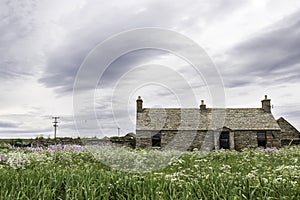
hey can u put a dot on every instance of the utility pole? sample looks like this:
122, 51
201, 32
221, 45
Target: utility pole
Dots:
118, 131
55, 125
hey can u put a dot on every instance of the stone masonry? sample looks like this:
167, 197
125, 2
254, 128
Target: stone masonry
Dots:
210, 128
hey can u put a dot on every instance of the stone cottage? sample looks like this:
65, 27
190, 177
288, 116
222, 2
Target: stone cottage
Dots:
211, 128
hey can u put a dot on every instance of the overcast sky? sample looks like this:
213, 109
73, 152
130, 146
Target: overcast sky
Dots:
254, 45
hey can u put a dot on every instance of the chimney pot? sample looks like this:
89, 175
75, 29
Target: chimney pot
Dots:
139, 104
202, 106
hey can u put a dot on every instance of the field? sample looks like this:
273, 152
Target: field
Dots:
75, 172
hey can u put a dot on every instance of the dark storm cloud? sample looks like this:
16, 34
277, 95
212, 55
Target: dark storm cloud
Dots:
271, 57
126, 62
101, 23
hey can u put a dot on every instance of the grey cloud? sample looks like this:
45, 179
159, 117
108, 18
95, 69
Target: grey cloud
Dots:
127, 62
236, 82
292, 114
18, 55
31, 133
9, 124
16, 131
266, 55
22, 39
291, 110
64, 61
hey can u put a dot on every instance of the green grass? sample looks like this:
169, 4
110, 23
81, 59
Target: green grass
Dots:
67, 174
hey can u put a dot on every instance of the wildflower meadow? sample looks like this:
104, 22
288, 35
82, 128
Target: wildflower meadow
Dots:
79, 172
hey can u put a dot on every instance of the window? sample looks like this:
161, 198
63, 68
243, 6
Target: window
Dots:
156, 140
261, 139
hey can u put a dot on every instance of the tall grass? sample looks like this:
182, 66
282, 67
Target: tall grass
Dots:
78, 174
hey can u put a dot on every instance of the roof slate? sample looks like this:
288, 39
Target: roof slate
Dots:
211, 119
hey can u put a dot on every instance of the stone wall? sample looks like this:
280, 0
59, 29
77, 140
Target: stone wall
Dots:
248, 139
167, 137
44, 142
205, 140
245, 139
183, 140
179, 140
143, 139
273, 139
289, 134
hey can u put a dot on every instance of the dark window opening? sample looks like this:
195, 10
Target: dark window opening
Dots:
261, 139
224, 140
156, 140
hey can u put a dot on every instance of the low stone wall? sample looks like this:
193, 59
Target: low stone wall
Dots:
45, 142
48, 142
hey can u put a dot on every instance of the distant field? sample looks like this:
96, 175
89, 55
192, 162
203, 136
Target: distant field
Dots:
75, 172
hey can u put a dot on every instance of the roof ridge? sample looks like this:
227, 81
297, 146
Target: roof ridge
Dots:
206, 108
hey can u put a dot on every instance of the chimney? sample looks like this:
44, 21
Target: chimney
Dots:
266, 104
139, 104
202, 106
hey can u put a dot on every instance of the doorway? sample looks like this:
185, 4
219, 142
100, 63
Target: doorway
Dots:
156, 139
224, 140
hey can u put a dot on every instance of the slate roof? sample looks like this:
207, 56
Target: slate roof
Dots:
286, 126
211, 119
